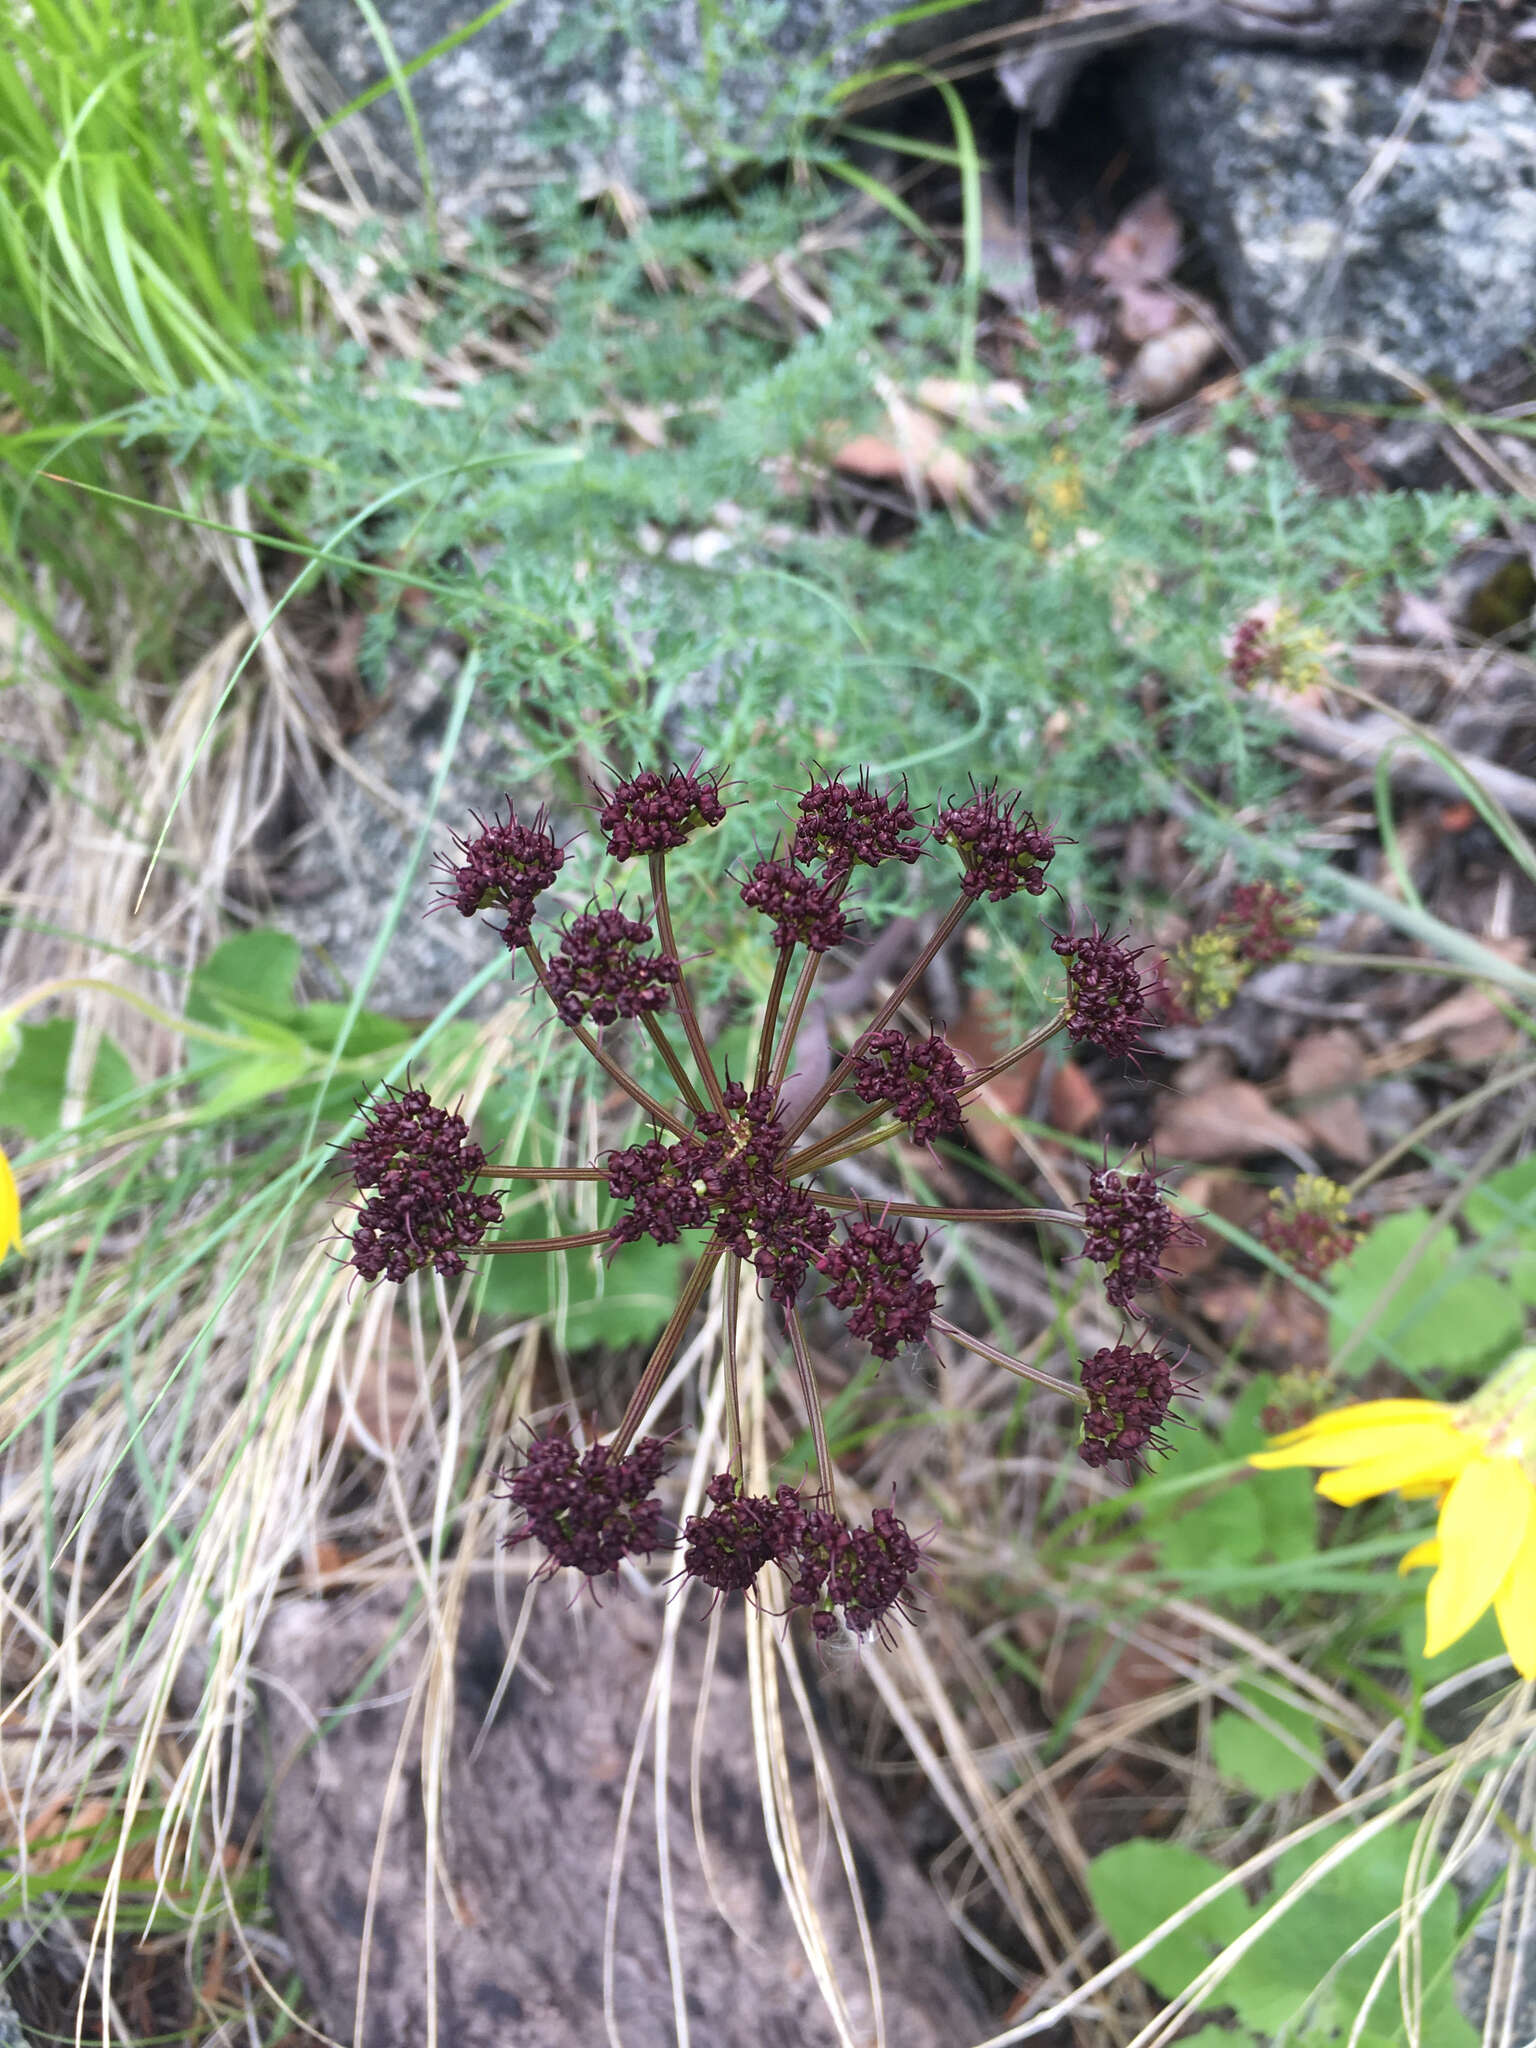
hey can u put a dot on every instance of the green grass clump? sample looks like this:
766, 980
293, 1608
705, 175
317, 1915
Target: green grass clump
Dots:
139, 208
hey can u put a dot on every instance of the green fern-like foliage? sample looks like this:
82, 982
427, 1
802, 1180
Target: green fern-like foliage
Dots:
1073, 645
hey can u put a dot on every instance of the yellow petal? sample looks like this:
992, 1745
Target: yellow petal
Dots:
10, 1208
1482, 1528
1427, 1552
1432, 1459
1436, 1437
1515, 1605
1363, 1415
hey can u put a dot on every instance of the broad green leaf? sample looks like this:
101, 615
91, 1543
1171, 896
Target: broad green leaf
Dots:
1137, 1885
32, 1086
1433, 1322
1503, 1200
1259, 1759
256, 969
247, 1080
624, 1302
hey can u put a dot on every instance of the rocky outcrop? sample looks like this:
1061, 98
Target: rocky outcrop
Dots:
1339, 204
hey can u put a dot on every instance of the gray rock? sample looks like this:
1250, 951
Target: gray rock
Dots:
1490, 1973
1037, 74
335, 890
534, 1780
1322, 225
554, 89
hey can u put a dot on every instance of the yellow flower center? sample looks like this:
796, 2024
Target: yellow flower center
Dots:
1502, 1414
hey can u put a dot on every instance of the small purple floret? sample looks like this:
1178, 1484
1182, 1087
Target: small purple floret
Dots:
651, 813
589, 1509
915, 1078
806, 911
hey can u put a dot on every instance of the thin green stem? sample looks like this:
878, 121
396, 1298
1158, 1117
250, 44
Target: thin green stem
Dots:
1498, 1086
816, 1156
813, 1409
546, 1244
771, 1017
737, 1459
977, 1081
541, 1173
692, 1029
837, 1144
947, 926
796, 1017
609, 1065
1069, 1218
667, 1345
674, 1065
1014, 1365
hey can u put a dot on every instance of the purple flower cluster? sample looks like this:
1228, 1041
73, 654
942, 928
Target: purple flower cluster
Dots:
726, 1173
806, 911
1107, 1000
421, 1164
589, 1509
917, 1079
830, 1565
666, 1186
651, 813
1248, 651
845, 828
506, 866
728, 1546
865, 1572
1128, 1227
879, 1278
599, 974
1129, 1394
1001, 853
1268, 921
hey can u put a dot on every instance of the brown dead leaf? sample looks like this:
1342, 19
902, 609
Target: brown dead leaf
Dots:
1219, 1192
1469, 1025
914, 454
1143, 246
1168, 366
1323, 1067
1137, 1674
1073, 1104
1231, 1120
1277, 1325
980, 1036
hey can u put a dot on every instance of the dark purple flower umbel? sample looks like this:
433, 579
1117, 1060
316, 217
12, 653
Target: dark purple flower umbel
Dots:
600, 974
879, 1277
727, 1547
1129, 1226
866, 1572
777, 1226
588, 1509
915, 1078
421, 1164
1129, 1394
845, 827
806, 911
651, 813
506, 866
871, 1572
1107, 1000
1001, 852
668, 1188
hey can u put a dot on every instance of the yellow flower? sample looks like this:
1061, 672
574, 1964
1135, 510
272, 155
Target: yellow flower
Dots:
10, 1207
1478, 1459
